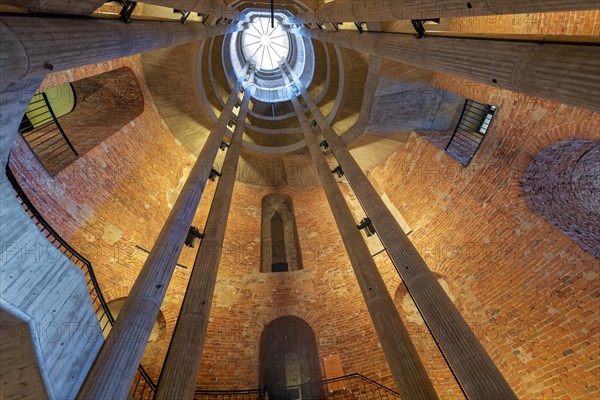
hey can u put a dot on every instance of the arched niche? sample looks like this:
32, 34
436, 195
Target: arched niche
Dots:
562, 186
115, 306
289, 360
280, 244
65, 122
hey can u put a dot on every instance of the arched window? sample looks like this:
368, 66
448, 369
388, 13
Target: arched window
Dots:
65, 122
561, 186
280, 246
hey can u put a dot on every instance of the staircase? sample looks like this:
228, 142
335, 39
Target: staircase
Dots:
143, 387
474, 123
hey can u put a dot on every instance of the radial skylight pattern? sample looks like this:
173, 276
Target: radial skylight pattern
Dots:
264, 44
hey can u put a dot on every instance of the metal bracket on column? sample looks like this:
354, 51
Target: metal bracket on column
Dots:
127, 10
185, 14
367, 226
213, 174
219, 20
320, 26
193, 235
338, 171
204, 18
359, 27
307, 26
231, 122
324, 146
313, 123
336, 25
419, 25
224, 145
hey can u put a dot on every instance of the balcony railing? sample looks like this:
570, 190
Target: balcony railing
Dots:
474, 123
45, 136
354, 386
143, 387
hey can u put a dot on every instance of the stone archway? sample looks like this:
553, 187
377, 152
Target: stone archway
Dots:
289, 360
562, 186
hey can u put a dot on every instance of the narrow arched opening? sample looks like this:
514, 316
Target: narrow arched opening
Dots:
289, 361
279, 260
280, 245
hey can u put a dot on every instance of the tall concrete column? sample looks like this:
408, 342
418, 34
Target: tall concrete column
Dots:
476, 372
216, 8
180, 370
389, 10
114, 369
75, 7
33, 46
538, 66
407, 369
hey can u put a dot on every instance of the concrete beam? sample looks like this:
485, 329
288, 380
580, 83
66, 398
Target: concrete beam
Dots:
180, 370
474, 369
216, 8
116, 365
567, 73
33, 46
75, 7
391, 10
405, 364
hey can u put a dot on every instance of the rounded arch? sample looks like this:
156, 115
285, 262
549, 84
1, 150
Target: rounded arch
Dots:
280, 246
289, 359
561, 186
63, 123
158, 330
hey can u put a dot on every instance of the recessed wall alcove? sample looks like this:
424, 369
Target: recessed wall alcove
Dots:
280, 245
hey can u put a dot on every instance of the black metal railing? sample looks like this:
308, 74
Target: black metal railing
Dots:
143, 386
257, 394
474, 123
45, 136
354, 386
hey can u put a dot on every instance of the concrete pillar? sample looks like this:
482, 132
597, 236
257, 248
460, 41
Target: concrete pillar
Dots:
216, 8
562, 72
476, 372
389, 10
33, 46
410, 376
180, 370
114, 369
75, 7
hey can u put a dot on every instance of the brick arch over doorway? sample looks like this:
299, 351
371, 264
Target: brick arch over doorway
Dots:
561, 186
289, 358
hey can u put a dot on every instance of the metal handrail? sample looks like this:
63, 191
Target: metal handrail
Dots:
469, 132
62, 132
47, 136
262, 393
78, 260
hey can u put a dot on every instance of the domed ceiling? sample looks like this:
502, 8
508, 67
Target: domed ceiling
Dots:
191, 83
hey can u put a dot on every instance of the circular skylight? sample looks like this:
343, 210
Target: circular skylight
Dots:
264, 44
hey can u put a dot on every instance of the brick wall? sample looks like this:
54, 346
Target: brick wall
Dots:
117, 196
529, 292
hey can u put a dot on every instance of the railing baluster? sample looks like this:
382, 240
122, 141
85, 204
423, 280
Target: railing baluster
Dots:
92, 283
